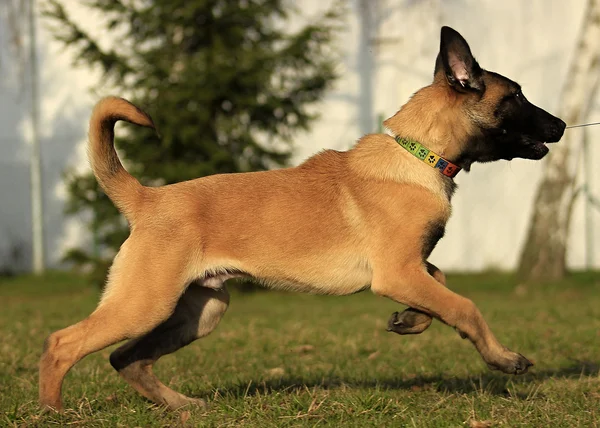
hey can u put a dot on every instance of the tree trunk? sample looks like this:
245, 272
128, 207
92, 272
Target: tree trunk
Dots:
544, 254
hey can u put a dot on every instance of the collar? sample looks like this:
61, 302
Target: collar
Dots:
428, 157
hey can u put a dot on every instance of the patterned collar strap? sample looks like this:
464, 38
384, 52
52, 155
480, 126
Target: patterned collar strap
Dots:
428, 157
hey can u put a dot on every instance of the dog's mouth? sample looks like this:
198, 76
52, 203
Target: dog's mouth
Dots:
534, 145
540, 146
530, 148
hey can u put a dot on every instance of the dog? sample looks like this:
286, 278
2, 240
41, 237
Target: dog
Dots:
339, 223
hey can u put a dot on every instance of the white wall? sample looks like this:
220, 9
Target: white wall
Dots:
531, 42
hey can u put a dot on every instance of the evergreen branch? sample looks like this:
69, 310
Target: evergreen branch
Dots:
86, 48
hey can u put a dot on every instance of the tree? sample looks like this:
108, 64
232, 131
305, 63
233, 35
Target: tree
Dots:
544, 253
226, 83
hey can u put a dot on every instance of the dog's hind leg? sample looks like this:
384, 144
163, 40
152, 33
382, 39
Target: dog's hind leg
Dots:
197, 313
142, 291
414, 321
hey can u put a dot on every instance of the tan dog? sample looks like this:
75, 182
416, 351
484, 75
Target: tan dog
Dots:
339, 223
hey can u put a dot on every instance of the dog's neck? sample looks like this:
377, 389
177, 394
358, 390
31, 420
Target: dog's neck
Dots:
429, 157
380, 157
431, 118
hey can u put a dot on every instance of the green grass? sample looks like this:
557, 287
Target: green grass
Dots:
298, 360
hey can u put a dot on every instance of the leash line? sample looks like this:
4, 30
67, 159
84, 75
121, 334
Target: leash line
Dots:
584, 124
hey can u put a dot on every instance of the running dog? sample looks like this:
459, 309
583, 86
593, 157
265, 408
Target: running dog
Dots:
339, 223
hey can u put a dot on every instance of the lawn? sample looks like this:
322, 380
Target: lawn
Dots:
282, 359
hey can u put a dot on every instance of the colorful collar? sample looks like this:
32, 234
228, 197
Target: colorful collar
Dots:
430, 158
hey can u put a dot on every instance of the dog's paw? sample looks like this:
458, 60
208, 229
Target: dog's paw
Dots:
410, 321
46, 409
513, 364
180, 401
199, 403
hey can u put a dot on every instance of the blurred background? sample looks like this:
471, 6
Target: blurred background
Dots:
256, 84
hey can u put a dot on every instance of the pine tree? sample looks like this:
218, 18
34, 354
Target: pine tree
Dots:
227, 84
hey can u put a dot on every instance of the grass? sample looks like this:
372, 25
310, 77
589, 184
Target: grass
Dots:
298, 360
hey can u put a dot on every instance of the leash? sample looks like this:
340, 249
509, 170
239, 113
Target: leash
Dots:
584, 124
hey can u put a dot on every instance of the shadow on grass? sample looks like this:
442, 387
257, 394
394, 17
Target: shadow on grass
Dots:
492, 383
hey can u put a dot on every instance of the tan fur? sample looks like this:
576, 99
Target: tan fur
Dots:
337, 224
435, 114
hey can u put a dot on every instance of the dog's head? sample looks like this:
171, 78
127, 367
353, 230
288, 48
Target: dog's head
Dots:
469, 114
506, 124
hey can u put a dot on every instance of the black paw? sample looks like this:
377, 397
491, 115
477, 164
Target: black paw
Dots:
410, 321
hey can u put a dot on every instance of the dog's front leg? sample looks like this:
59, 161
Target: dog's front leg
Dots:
411, 320
415, 287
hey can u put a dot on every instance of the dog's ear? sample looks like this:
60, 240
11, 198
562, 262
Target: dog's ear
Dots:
457, 63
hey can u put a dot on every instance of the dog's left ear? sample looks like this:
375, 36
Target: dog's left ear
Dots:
457, 63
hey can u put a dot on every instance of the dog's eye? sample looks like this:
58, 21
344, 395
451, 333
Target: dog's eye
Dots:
515, 96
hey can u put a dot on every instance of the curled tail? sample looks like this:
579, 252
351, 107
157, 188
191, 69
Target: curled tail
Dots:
120, 186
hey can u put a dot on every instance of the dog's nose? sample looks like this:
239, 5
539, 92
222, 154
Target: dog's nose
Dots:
557, 130
562, 126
